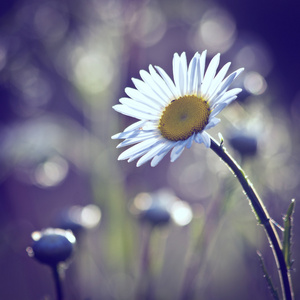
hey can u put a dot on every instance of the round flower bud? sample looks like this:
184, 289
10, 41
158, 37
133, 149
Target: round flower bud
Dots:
156, 215
244, 143
52, 246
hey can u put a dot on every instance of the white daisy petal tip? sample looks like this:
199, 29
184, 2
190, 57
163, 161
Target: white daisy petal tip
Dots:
115, 136
217, 56
173, 113
114, 107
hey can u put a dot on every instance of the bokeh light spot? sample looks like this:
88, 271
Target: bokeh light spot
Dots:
141, 202
181, 213
51, 172
93, 72
3, 57
254, 57
254, 83
90, 216
216, 31
148, 26
51, 23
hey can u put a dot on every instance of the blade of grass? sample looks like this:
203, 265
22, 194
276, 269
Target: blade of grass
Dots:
268, 278
287, 236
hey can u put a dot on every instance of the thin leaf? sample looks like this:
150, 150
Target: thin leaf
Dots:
221, 138
287, 236
268, 278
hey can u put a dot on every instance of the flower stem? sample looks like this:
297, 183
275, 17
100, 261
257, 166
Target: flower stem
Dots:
144, 288
263, 217
57, 281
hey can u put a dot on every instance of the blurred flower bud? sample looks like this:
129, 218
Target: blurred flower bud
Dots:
154, 208
244, 143
160, 207
52, 246
157, 215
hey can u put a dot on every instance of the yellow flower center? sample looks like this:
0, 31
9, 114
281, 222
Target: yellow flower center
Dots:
183, 117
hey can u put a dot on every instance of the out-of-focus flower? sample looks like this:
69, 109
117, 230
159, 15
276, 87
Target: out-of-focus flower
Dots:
52, 246
153, 208
156, 215
159, 208
173, 115
244, 143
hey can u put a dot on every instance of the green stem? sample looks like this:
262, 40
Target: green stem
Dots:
144, 288
57, 281
263, 217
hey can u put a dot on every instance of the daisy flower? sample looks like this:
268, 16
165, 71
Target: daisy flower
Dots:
173, 115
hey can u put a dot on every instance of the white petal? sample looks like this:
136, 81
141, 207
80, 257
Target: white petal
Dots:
168, 81
221, 95
162, 154
135, 125
164, 99
177, 150
201, 71
129, 131
212, 123
147, 97
138, 148
117, 136
137, 139
128, 111
210, 74
183, 74
161, 84
176, 72
196, 81
226, 96
125, 135
206, 139
229, 100
217, 80
151, 153
192, 78
149, 126
190, 141
139, 106
227, 82
232, 92
138, 154
218, 109
198, 138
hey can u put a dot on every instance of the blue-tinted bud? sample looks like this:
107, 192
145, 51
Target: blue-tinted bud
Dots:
156, 215
244, 143
52, 246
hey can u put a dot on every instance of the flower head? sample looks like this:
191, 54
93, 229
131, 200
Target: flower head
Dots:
52, 246
174, 114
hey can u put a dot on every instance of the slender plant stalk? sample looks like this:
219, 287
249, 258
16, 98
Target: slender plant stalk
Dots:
271, 287
144, 286
57, 281
263, 217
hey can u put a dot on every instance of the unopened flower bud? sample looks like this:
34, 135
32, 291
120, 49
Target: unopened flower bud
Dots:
156, 215
52, 246
244, 143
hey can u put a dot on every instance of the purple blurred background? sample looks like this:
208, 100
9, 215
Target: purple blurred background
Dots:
63, 64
